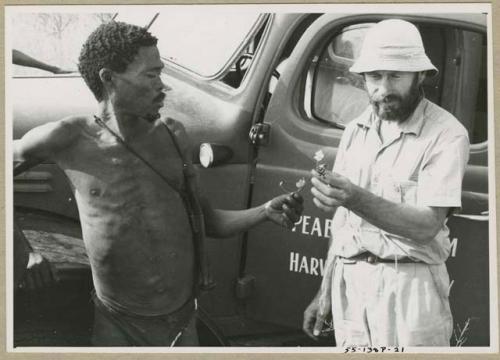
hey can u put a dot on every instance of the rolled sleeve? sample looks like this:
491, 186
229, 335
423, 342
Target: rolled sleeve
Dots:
440, 180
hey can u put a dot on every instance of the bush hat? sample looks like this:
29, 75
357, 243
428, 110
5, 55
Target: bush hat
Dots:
393, 45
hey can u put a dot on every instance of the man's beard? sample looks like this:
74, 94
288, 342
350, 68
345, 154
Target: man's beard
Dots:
397, 108
152, 117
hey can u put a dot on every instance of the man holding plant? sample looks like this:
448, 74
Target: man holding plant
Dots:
397, 177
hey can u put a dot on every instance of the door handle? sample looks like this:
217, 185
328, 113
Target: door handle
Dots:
259, 134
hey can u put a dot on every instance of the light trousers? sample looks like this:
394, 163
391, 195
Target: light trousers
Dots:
386, 304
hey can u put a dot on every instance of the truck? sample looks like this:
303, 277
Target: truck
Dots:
278, 91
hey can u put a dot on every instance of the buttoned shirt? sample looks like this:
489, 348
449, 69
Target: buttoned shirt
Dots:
421, 162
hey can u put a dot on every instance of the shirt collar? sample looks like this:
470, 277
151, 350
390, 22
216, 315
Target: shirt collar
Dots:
412, 125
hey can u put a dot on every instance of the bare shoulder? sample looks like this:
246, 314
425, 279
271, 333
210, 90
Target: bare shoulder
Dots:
75, 124
65, 129
179, 131
48, 140
181, 137
177, 128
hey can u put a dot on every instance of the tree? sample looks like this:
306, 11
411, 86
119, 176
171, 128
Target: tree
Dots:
104, 17
56, 23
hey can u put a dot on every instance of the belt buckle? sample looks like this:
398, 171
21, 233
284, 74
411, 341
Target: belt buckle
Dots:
372, 259
348, 261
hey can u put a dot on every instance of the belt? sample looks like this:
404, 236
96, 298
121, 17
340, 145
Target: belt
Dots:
374, 259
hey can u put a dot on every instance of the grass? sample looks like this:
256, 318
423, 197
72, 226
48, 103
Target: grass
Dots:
460, 333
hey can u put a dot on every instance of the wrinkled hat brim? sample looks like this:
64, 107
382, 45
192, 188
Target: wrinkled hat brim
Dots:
368, 64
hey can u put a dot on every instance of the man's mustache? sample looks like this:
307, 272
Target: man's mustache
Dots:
160, 97
386, 99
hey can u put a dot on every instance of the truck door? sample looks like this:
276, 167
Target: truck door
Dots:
314, 98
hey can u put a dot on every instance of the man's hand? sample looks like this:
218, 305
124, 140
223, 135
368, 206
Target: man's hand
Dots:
314, 320
332, 190
285, 210
39, 273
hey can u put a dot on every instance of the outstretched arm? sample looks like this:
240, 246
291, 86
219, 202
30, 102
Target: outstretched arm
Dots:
283, 210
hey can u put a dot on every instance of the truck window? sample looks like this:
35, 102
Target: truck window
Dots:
206, 47
221, 45
334, 96
338, 95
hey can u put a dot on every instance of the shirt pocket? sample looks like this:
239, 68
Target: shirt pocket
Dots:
400, 191
408, 192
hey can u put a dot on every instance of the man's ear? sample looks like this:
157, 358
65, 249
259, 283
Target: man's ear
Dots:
106, 75
421, 77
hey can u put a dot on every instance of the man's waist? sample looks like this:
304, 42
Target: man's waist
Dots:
142, 295
188, 306
371, 258
349, 242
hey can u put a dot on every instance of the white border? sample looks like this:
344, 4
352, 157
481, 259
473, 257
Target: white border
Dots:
277, 8
239, 350
492, 193
9, 191
422, 8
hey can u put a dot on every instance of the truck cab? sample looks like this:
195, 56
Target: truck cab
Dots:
258, 96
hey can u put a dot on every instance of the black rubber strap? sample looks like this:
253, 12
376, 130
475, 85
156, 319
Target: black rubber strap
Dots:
176, 144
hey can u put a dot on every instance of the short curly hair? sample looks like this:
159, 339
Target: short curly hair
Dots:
113, 45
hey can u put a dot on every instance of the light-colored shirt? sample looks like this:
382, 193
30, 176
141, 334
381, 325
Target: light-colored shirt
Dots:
420, 162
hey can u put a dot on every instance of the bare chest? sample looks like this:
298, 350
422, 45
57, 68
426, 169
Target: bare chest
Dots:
106, 174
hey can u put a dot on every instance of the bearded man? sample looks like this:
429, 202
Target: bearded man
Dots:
397, 177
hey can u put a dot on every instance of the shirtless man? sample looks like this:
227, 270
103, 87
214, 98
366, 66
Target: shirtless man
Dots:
135, 226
